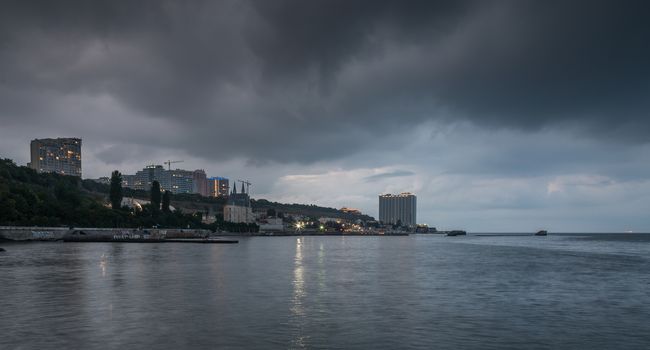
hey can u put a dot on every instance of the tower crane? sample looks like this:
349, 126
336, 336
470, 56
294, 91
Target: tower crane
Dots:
170, 162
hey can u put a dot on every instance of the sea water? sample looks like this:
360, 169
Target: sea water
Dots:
589, 291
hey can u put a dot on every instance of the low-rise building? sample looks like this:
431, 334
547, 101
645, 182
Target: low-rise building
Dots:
271, 225
324, 220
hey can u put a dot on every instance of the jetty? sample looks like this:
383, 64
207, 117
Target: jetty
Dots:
148, 240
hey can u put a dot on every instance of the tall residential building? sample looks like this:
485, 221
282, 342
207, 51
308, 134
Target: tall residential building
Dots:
62, 156
218, 187
200, 182
178, 181
394, 208
145, 177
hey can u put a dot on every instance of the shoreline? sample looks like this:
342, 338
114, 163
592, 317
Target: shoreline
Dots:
94, 234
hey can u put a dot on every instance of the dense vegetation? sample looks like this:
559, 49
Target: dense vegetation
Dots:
306, 210
28, 198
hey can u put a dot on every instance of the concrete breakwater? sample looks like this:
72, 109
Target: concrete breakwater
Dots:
20, 233
145, 239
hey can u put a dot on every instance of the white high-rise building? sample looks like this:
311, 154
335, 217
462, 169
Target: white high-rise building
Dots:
398, 208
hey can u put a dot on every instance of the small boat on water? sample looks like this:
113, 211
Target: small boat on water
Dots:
457, 233
541, 233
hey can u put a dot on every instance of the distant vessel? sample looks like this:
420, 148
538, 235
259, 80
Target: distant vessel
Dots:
541, 233
456, 233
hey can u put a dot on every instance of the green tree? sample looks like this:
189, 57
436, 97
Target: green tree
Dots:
155, 196
116, 190
166, 200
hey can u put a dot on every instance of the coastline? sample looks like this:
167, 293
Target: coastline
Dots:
93, 234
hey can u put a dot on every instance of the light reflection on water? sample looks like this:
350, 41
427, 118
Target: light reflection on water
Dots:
422, 291
297, 309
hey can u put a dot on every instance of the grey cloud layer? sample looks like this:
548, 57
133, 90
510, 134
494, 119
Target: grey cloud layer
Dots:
387, 175
316, 80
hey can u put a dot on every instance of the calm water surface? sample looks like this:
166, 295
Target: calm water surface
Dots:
421, 291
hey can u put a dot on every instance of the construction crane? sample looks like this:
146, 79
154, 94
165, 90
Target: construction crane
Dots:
170, 162
248, 184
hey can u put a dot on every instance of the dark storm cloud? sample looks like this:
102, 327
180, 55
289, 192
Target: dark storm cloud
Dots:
312, 80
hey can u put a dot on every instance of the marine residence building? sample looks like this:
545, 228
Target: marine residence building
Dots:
398, 209
61, 156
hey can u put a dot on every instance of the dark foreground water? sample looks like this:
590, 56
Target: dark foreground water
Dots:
423, 291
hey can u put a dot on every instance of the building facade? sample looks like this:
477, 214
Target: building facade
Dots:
200, 182
398, 208
178, 181
145, 177
238, 208
61, 156
129, 181
218, 187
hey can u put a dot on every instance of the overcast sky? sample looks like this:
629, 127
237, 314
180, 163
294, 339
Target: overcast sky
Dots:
499, 115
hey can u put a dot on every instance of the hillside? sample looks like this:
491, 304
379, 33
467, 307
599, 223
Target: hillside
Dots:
193, 203
28, 198
309, 210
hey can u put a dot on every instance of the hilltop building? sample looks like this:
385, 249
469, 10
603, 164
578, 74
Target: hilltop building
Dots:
145, 177
351, 211
176, 181
200, 183
238, 208
128, 181
218, 187
398, 208
61, 156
